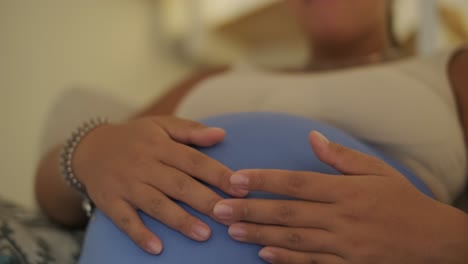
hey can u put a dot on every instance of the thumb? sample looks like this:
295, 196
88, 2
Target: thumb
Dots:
189, 132
345, 160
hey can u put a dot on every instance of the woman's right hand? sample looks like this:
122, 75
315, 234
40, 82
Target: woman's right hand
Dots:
144, 163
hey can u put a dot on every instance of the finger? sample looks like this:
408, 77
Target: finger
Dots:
160, 207
276, 212
303, 185
298, 239
189, 132
198, 165
182, 187
125, 217
285, 256
346, 160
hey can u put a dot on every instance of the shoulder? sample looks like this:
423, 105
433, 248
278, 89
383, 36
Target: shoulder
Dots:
458, 65
458, 75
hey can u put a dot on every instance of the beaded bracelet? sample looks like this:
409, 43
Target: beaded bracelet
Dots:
66, 158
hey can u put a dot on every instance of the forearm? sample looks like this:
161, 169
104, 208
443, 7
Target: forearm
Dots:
57, 200
455, 250
61, 203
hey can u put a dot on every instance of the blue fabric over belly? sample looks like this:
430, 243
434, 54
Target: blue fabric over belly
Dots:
254, 140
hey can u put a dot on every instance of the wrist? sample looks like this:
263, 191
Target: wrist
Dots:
84, 158
68, 154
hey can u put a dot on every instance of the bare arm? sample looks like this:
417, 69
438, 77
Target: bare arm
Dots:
60, 202
56, 199
457, 71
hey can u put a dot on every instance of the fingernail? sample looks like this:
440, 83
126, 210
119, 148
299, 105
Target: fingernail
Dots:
240, 180
322, 138
267, 255
237, 232
201, 231
223, 211
154, 247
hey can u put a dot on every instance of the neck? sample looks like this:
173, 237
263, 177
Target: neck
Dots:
348, 52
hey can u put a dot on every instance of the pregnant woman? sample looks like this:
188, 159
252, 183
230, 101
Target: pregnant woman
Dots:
308, 223
144, 173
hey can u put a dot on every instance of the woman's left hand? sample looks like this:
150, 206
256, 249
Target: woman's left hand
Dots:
371, 215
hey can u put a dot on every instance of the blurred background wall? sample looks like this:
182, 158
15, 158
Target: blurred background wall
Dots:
50, 46
133, 50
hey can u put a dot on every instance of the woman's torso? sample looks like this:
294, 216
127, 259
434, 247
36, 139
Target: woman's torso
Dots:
404, 108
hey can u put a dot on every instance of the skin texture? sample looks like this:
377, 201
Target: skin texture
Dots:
459, 79
346, 220
148, 162
354, 219
341, 30
55, 198
121, 171
359, 218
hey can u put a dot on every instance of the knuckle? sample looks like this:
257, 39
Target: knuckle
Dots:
125, 222
183, 185
294, 239
285, 214
259, 237
195, 125
257, 181
194, 161
156, 206
294, 184
339, 149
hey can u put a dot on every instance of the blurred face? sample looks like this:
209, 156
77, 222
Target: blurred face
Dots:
340, 20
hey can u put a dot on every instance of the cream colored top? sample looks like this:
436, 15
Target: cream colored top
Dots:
405, 108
